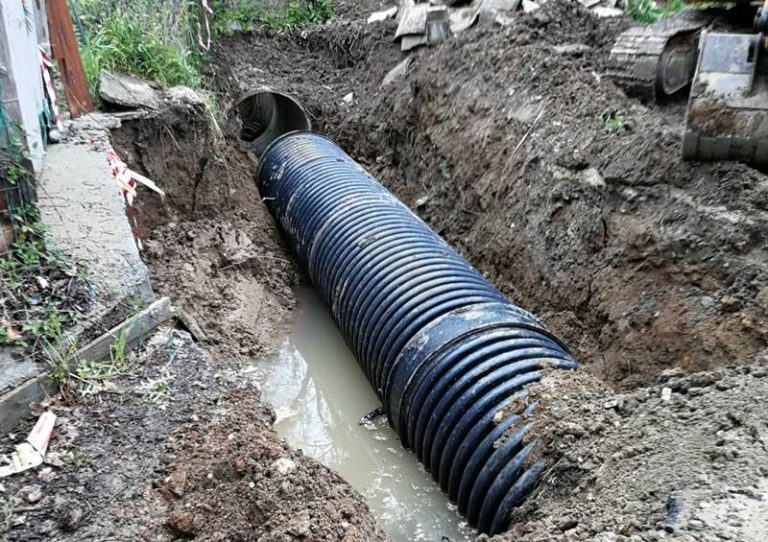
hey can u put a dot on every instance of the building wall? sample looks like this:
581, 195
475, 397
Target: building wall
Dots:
22, 86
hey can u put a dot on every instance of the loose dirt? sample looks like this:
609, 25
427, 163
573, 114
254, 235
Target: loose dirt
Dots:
571, 197
177, 447
209, 243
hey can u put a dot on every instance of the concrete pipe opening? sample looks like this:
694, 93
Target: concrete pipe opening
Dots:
266, 115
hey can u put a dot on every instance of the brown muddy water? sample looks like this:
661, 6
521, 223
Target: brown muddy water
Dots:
320, 395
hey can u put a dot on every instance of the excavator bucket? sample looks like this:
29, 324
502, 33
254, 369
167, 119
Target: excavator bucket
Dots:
727, 116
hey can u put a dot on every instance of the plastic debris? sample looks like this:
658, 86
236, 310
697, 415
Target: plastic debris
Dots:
31, 453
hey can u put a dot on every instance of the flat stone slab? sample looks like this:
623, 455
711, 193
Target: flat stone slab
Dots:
127, 92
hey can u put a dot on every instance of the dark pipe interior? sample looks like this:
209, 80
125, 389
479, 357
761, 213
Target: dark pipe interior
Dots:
266, 115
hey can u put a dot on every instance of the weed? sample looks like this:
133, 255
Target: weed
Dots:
650, 11
117, 350
41, 293
613, 122
161, 41
231, 16
300, 13
80, 458
60, 363
156, 391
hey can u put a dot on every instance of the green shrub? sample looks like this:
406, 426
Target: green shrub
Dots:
247, 14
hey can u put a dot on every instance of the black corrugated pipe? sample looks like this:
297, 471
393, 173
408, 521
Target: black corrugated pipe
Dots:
445, 351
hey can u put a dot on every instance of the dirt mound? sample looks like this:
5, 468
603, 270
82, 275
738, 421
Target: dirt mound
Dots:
210, 244
176, 446
573, 198
238, 483
570, 196
681, 460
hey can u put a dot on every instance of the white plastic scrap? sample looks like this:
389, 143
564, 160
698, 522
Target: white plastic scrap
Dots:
30, 453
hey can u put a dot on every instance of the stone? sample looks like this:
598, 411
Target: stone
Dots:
572, 49
182, 522
729, 303
398, 72
176, 482
283, 466
299, 525
32, 493
127, 92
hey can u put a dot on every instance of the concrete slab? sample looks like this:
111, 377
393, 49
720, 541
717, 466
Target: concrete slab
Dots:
83, 208
81, 203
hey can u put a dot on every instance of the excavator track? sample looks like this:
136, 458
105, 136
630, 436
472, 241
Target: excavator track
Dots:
650, 62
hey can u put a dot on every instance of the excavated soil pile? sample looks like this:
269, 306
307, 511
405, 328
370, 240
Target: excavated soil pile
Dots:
682, 460
177, 447
571, 197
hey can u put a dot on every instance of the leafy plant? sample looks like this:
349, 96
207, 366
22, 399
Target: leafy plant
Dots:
118, 348
161, 41
650, 11
613, 122
41, 293
299, 13
156, 391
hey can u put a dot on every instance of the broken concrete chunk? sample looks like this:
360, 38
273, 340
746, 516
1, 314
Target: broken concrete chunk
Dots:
412, 41
127, 92
462, 18
438, 29
299, 525
397, 73
283, 466
529, 6
574, 49
413, 21
490, 9
184, 97
382, 15
593, 178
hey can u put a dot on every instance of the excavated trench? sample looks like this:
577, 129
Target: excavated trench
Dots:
499, 140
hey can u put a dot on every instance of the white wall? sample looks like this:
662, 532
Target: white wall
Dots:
22, 82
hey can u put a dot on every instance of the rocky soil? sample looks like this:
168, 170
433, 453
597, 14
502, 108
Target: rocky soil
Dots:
177, 446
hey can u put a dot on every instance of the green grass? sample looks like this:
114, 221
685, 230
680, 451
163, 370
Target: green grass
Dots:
650, 11
36, 308
159, 41
245, 15
124, 43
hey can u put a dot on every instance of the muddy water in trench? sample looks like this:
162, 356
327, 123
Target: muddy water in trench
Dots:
320, 394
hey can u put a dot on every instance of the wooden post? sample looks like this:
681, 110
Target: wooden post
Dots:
66, 53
